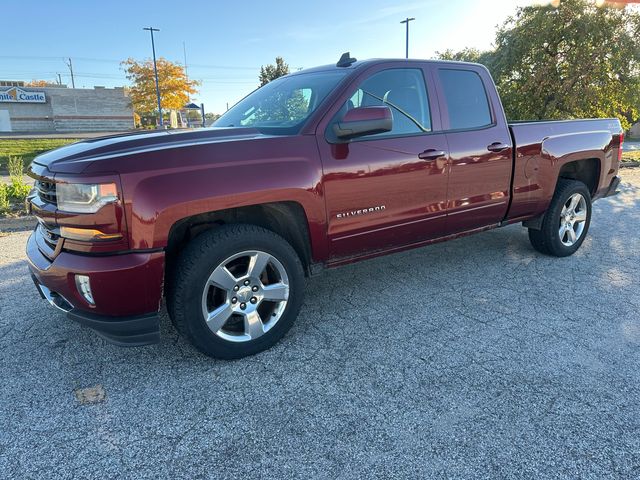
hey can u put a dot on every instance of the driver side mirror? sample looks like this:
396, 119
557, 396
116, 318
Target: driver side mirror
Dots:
362, 121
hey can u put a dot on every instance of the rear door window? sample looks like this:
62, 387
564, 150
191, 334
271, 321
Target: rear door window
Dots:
465, 98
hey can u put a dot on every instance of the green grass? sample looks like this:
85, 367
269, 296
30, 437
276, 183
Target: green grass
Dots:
631, 156
28, 148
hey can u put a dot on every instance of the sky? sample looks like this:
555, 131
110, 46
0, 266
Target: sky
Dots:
226, 42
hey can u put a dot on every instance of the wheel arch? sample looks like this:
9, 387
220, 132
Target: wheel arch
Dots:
586, 170
287, 219
578, 156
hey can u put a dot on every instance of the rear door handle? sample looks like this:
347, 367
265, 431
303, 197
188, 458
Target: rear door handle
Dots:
497, 147
431, 154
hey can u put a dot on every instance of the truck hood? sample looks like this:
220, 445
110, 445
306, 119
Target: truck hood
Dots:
75, 157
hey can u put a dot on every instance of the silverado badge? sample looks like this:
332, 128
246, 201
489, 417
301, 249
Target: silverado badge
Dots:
361, 211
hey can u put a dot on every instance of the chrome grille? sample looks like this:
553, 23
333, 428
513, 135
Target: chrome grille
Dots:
46, 191
50, 235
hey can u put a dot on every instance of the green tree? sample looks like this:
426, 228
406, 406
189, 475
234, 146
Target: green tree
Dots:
574, 60
271, 72
280, 106
211, 117
467, 55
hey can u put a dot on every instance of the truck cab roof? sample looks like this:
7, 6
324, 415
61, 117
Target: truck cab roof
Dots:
359, 64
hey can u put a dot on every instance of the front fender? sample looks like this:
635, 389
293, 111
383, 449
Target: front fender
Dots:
160, 200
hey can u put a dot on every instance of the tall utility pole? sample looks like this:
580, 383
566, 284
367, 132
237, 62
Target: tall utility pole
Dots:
70, 65
186, 72
155, 70
406, 21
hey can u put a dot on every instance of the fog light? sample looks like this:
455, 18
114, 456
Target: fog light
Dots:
84, 287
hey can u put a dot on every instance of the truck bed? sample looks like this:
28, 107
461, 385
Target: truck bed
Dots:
543, 148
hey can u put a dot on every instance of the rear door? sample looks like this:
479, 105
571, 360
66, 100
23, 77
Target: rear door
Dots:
379, 193
480, 146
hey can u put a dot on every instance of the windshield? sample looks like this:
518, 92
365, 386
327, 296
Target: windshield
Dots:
281, 106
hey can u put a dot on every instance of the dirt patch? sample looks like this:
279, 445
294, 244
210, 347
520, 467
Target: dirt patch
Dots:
17, 224
90, 395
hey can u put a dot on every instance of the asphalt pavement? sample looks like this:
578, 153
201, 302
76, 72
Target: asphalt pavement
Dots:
476, 358
631, 145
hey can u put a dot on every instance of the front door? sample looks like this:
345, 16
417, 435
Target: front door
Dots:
379, 192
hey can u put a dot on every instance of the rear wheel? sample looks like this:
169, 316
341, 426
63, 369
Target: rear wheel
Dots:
236, 291
566, 222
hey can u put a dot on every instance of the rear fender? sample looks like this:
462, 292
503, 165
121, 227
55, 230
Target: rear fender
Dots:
560, 150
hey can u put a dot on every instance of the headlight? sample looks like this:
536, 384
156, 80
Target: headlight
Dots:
85, 198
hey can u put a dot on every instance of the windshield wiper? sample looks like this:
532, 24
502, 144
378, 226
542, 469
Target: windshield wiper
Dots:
410, 117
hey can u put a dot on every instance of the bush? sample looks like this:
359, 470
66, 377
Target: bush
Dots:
4, 198
15, 167
17, 190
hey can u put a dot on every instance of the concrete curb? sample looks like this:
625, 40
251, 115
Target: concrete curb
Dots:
17, 224
633, 164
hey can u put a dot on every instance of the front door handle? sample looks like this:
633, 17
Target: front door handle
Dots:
497, 147
431, 154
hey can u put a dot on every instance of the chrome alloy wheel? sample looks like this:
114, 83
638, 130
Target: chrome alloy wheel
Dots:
572, 219
245, 296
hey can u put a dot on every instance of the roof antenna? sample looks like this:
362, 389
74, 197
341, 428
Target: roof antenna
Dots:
345, 60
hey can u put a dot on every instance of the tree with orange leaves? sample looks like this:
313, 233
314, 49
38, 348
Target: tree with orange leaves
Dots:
39, 83
175, 86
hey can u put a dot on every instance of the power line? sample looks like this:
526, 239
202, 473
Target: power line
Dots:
109, 60
123, 78
224, 67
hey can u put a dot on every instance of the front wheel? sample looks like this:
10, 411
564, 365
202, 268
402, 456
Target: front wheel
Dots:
566, 221
236, 291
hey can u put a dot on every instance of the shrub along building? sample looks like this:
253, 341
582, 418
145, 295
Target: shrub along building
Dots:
60, 109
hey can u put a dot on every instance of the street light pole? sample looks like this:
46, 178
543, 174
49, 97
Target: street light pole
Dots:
155, 70
406, 21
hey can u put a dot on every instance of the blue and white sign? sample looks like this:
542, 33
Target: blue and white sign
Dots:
17, 95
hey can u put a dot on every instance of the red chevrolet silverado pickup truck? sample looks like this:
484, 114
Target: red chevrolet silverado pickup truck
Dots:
316, 169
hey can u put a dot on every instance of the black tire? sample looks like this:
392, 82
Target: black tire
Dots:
547, 239
196, 263
536, 237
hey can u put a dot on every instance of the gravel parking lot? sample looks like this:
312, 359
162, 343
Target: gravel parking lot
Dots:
477, 358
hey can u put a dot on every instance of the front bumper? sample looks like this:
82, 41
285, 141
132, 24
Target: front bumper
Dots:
127, 290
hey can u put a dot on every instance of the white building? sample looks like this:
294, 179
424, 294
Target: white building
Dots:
61, 109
